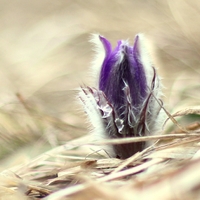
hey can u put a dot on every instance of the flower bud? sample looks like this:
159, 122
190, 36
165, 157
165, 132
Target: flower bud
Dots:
125, 101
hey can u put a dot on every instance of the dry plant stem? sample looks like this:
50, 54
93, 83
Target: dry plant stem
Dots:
171, 117
67, 192
78, 188
186, 111
24, 103
39, 189
177, 143
74, 189
153, 148
192, 127
59, 150
127, 162
31, 112
56, 122
130, 171
145, 138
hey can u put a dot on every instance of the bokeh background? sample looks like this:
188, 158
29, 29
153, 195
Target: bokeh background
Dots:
45, 56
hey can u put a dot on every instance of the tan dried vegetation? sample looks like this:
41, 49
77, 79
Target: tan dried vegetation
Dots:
46, 151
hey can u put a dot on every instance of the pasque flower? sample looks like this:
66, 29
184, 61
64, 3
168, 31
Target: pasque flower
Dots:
124, 102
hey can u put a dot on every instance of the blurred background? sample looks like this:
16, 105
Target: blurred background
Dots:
45, 56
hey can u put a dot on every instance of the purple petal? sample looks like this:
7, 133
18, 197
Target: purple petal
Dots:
107, 45
124, 67
105, 70
109, 62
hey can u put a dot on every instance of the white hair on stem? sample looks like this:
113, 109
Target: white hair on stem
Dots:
95, 118
97, 62
145, 58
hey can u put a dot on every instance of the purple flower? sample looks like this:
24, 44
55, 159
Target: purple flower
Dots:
123, 104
